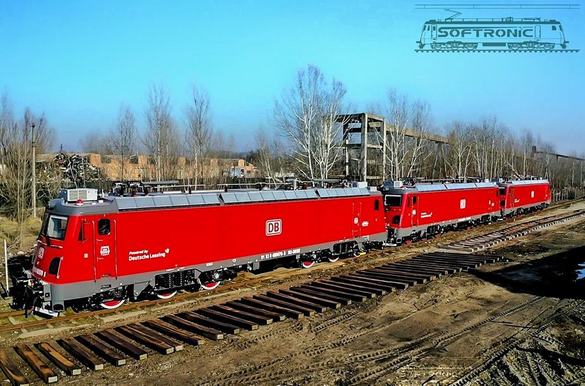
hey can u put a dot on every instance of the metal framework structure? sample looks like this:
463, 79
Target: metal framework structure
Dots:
366, 146
546, 153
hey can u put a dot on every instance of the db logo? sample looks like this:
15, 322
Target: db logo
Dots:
273, 227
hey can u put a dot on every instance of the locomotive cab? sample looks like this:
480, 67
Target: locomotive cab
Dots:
64, 254
393, 204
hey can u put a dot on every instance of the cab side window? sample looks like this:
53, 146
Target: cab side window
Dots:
104, 226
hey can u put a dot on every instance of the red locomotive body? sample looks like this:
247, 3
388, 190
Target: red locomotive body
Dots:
105, 251
521, 196
425, 209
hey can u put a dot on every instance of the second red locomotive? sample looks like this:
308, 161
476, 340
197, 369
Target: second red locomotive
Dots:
422, 210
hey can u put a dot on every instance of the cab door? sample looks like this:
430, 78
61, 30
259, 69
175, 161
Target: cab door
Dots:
105, 248
414, 210
356, 229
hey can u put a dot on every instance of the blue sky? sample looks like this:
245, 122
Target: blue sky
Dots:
78, 60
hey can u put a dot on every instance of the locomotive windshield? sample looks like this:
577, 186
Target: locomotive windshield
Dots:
393, 200
55, 226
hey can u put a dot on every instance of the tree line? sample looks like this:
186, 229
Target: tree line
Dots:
303, 138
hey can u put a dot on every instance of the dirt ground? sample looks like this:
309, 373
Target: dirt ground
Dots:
517, 322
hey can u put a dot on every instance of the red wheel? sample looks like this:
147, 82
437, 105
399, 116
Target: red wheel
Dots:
210, 285
307, 263
166, 295
112, 304
332, 259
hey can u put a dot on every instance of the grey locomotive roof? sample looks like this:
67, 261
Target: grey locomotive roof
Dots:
448, 186
113, 204
527, 182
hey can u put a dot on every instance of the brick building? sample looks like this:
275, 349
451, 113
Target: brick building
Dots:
142, 167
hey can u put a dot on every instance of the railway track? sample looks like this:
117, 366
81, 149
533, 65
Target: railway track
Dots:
532, 328
19, 321
116, 346
391, 358
478, 243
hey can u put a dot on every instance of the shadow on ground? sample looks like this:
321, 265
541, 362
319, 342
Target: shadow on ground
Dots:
558, 275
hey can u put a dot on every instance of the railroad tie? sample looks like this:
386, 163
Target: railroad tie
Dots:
177, 346
36, 363
402, 279
102, 350
355, 283
174, 332
12, 372
297, 300
254, 317
228, 328
207, 332
343, 287
287, 304
409, 271
146, 339
60, 360
83, 355
274, 316
223, 317
322, 295
367, 281
289, 312
392, 280
122, 343
341, 293
315, 299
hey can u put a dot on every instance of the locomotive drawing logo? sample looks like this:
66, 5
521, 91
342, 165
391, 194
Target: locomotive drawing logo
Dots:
507, 34
273, 227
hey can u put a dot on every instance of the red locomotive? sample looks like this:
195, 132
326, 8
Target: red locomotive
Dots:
102, 251
422, 210
525, 195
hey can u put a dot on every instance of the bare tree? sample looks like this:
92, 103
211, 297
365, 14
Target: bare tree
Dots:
526, 143
161, 137
96, 142
269, 155
199, 129
16, 156
409, 125
123, 137
306, 115
420, 126
459, 156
